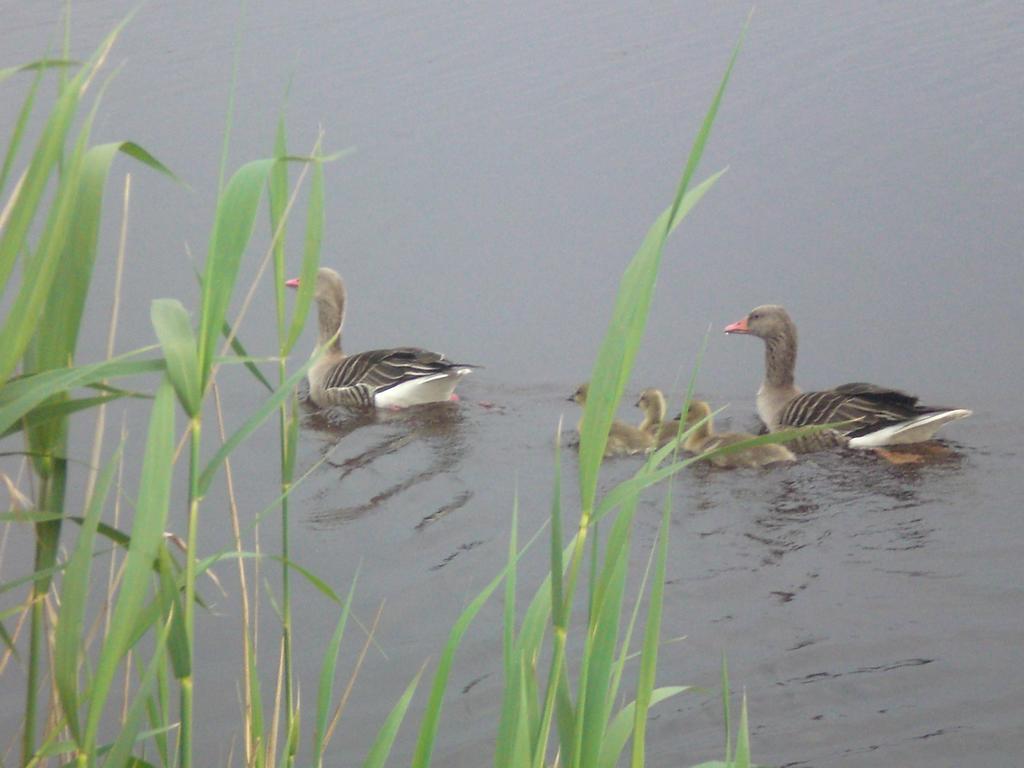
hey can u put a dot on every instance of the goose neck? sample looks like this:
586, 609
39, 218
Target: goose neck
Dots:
331, 318
779, 361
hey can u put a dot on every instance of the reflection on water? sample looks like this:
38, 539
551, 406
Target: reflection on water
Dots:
876, 504
422, 442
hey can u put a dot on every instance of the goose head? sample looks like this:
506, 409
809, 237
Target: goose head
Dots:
698, 410
652, 403
768, 322
580, 395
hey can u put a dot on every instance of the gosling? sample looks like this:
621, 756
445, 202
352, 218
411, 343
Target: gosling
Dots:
652, 403
623, 439
703, 439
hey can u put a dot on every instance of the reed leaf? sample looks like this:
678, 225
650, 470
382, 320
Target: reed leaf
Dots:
74, 595
232, 229
20, 396
621, 726
169, 603
432, 713
128, 733
649, 656
622, 339
629, 317
174, 329
257, 418
326, 683
36, 66
65, 306
277, 203
310, 258
146, 540
377, 757
511, 663
18, 132
521, 754
743, 737
22, 318
52, 411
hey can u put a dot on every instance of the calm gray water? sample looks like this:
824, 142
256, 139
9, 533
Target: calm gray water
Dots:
509, 160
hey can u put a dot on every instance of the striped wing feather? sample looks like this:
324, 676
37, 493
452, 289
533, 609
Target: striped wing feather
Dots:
356, 379
868, 406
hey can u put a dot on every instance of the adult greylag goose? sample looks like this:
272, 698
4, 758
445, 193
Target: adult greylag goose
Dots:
877, 416
385, 378
652, 403
623, 439
703, 438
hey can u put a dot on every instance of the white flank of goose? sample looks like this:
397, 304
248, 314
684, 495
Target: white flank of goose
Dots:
877, 416
382, 378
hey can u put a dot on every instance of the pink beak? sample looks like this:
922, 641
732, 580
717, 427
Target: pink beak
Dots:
293, 283
738, 327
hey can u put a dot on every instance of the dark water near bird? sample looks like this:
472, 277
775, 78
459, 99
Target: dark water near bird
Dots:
509, 159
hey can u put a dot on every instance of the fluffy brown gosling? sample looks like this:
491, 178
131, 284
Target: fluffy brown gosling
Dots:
623, 439
652, 403
704, 439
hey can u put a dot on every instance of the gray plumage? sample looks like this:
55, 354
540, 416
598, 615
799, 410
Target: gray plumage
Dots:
873, 415
379, 377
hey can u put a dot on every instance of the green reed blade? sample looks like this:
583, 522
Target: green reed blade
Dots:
378, 754
628, 489
40, 269
627, 638
36, 180
326, 682
65, 306
652, 631
508, 720
232, 229
256, 733
310, 257
622, 340
169, 603
146, 539
277, 202
128, 733
520, 754
242, 355
37, 66
726, 709
599, 657
743, 737
74, 597
621, 726
61, 410
593, 704
251, 424
432, 713
20, 396
18, 132
174, 330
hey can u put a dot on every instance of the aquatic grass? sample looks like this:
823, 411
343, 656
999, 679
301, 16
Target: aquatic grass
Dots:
574, 708
588, 732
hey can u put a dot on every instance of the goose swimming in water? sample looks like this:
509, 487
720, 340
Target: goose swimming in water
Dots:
877, 416
382, 378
